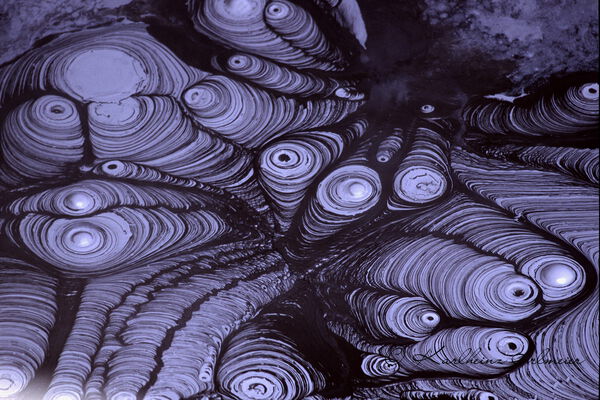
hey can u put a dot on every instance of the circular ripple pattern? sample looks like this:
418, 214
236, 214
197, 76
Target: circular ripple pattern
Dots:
349, 191
570, 112
27, 313
251, 116
474, 286
110, 241
139, 129
252, 232
41, 137
278, 30
283, 80
256, 367
377, 366
559, 278
389, 316
505, 347
423, 175
101, 65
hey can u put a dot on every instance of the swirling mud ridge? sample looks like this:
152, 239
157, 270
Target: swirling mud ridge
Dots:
294, 199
